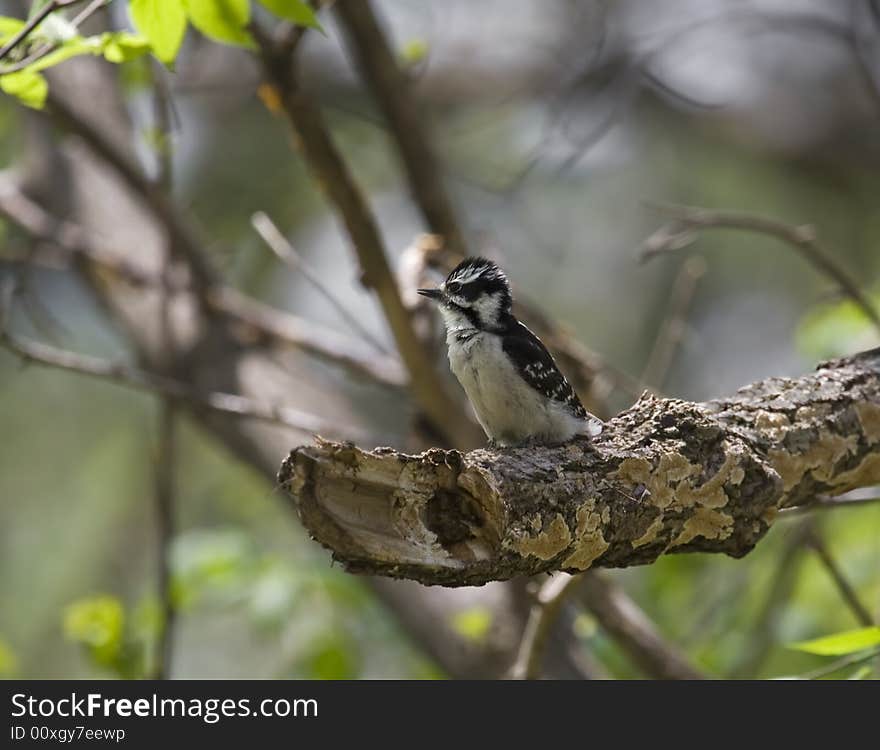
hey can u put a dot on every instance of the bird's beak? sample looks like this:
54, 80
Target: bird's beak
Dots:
434, 294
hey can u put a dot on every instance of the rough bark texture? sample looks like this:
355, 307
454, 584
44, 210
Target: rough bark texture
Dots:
664, 476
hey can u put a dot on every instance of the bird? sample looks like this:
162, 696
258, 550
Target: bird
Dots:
519, 395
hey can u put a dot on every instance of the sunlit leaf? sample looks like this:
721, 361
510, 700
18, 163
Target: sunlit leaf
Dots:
97, 622
473, 623
120, 47
9, 27
163, 23
840, 644
30, 88
293, 10
222, 20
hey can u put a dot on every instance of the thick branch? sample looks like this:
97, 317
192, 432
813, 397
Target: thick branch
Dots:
664, 476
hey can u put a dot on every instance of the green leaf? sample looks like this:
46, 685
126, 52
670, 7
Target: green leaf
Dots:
120, 46
294, 10
221, 20
9, 27
97, 622
30, 88
473, 623
163, 23
840, 644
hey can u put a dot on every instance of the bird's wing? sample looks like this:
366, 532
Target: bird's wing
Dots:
536, 366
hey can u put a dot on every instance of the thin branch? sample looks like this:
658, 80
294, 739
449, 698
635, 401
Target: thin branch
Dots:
279, 245
393, 91
835, 666
672, 329
632, 630
332, 173
545, 611
264, 321
38, 18
166, 464
690, 219
149, 382
816, 543
164, 503
49, 47
824, 502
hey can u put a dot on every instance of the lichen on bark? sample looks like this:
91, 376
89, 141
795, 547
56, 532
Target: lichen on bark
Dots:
665, 476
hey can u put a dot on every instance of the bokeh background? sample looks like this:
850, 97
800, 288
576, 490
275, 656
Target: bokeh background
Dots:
556, 124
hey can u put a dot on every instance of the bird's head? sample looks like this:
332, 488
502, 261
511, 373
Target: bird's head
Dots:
475, 294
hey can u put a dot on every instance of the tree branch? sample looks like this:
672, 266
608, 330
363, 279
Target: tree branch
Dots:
664, 476
545, 611
142, 380
392, 89
622, 619
331, 172
688, 219
41, 15
263, 321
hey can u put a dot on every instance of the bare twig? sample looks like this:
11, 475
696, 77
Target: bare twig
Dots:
49, 47
41, 15
164, 497
332, 173
688, 219
391, 87
632, 630
279, 245
265, 321
824, 502
545, 611
836, 666
143, 380
672, 329
816, 543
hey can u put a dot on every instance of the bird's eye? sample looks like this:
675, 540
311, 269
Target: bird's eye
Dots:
453, 286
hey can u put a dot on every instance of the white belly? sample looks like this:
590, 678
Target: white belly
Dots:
509, 409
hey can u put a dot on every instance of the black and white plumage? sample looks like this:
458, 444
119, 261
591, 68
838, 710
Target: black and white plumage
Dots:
517, 391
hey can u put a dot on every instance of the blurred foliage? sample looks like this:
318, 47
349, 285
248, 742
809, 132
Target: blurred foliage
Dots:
8, 662
837, 329
161, 25
99, 624
473, 623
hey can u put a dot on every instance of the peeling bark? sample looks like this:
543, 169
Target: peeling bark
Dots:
665, 476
